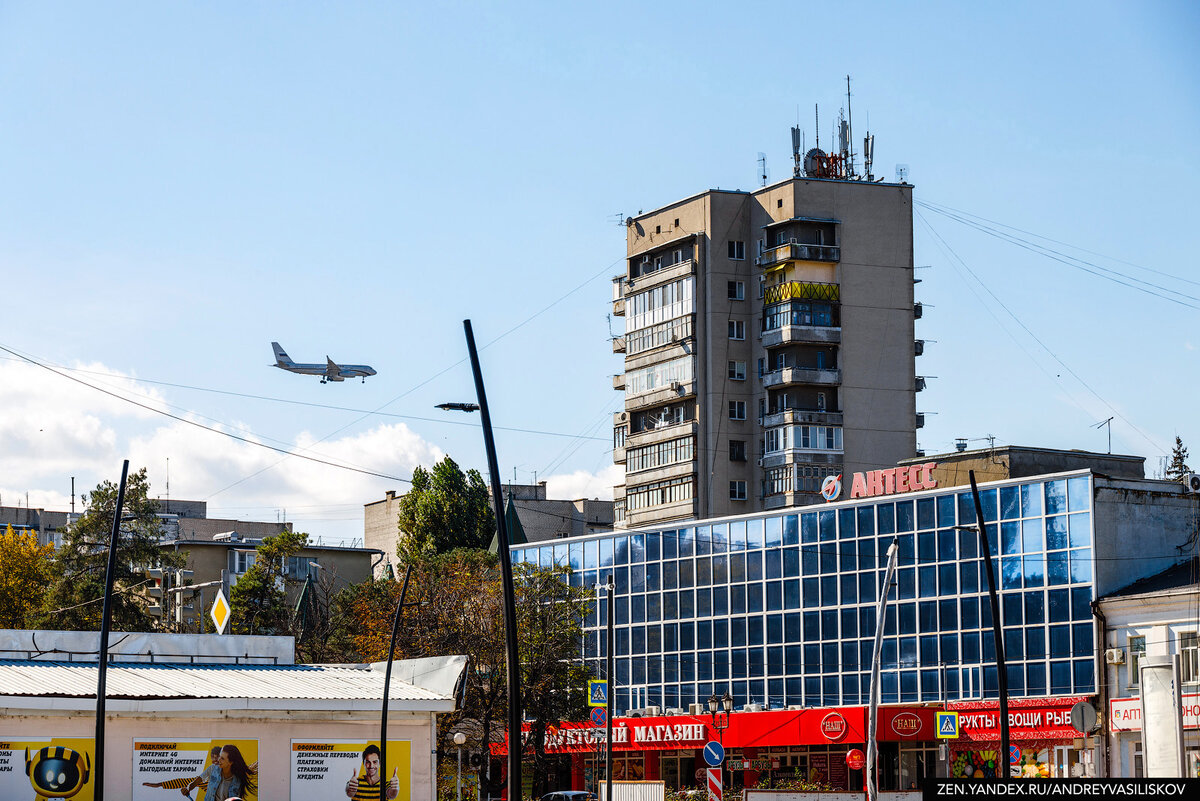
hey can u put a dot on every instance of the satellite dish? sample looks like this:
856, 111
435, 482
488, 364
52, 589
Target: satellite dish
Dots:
814, 161
628, 222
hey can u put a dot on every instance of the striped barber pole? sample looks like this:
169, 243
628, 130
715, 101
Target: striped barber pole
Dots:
714, 784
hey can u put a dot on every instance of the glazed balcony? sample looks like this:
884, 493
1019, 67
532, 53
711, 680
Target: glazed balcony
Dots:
789, 376
794, 251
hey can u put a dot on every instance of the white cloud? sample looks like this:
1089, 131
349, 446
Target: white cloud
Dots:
53, 429
582, 484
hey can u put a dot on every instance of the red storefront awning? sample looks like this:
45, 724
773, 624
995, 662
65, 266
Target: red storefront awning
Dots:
1029, 720
772, 728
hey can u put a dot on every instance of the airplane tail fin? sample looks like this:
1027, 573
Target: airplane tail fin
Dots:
281, 357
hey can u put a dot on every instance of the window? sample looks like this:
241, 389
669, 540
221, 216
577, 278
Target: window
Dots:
737, 250
737, 329
659, 493
660, 454
737, 290
737, 450
1189, 656
820, 401
619, 433
737, 410
737, 490
737, 371
658, 376
242, 560
1137, 647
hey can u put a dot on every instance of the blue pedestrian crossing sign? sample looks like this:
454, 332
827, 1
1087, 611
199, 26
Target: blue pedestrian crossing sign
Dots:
947, 725
597, 692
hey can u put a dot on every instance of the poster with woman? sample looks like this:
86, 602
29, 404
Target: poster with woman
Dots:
202, 770
47, 767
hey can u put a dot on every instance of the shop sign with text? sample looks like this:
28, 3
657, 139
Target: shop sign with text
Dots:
1125, 714
894, 480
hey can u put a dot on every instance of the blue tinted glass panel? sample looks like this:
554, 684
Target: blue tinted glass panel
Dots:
926, 516
1035, 642
827, 525
866, 587
1060, 606
948, 615
774, 532
670, 606
1035, 571
811, 592
927, 546
1032, 540
1081, 565
888, 656
652, 582
850, 689
704, 602
754, 598
905, 550
720, 601
908, 686
829, 658
946, 545
1011, 570
1084, 676
927, 581
829, 691
653, 608
1056, 533
927, 616
576, 556
737, 599
720, 633
737, 536
1058, 569
886, 513
790, 628
1035, 611
812, 626
1016, 679
908, 651
1010, 537
687, 605
808, 560
968, 544
775, 596
866, 521
720, 538
866, 621
829, 624
622, 550
849, 618
947, 579
1080, 534
908, 618
1081, 636
966, 508
591, 555
791, 594
1060, 642
1056, 497
1035, 678
970, 646
1011, 607
812, 658
828, 554
945, 511
791, 530
829, 591
929, 685
622, 607
720, 569
606, 552
889, 691
948, 646
1010, 503
904, 516
687, 542
774, 563
754, 566
808, 527
791, 562
737, 567
1079, 494
929, 649
968, 573
754, 533
1031, 500
906, 583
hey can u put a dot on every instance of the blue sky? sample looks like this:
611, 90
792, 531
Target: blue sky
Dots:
181, 184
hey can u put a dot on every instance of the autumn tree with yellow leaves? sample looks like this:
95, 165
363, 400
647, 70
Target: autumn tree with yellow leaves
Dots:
25, 569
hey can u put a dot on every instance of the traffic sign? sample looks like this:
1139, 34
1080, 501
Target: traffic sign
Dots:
714, 753
597, 692
220, 611
599, 716
1014, 754
1083, 717
947, 725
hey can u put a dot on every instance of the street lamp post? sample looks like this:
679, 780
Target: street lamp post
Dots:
459, 739
719, 709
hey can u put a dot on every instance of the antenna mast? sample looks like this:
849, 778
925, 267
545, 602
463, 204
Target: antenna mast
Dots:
762, 169
850, 130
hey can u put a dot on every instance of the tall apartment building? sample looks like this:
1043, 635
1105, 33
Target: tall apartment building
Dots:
769, 343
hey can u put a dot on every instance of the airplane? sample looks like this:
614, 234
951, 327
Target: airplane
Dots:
328, 371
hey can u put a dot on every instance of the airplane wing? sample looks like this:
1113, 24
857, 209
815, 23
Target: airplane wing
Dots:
332, 371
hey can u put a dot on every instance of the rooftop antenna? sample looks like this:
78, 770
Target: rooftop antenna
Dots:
797, 149
762, 169
849, 130
168, 510
817, 116
1108, 423
72, 494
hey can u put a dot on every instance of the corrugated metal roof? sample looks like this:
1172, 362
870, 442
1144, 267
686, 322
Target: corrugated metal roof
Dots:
66, 680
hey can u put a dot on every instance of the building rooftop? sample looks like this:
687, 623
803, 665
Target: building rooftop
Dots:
1184, 574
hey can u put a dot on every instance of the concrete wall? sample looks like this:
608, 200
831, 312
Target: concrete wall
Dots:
1142, 528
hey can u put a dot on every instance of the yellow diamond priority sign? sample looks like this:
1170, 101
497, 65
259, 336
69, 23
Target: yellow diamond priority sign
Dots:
220, 612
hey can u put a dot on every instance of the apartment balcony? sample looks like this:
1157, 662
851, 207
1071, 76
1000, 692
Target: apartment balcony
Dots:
801, 457
680, 510
794, 251
618, 344
785, 500
619, 455
661, 473
801, 417
619, 307
618, 300
664, 275
672, 392
801, 375
619, 382
662, 433
808, 334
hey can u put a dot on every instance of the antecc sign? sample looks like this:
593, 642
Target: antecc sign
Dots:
883, 482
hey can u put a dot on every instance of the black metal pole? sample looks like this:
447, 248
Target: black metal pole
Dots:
608, 698
997, 636
511, 658
105, 623
387, 688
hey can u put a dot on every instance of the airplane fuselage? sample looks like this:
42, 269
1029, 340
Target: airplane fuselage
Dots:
330, 371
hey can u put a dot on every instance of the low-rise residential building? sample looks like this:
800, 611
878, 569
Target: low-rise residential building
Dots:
1155, 616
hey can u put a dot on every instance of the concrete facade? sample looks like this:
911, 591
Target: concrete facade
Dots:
770, 342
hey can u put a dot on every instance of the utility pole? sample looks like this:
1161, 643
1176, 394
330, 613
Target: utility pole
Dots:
608, 698
105, 624
997, 637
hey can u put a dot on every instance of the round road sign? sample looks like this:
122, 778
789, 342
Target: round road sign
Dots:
599, 718
714, 753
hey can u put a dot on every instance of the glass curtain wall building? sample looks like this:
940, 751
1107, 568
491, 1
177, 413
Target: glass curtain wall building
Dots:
779, 608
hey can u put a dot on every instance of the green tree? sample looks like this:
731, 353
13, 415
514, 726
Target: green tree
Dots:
74, 600
445, 509
258, 601
26, 571
454, 607
1178, 467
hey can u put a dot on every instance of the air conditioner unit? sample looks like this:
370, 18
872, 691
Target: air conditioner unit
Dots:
1115, 656
752, 708
653, 711
1192, 482
676, 386
696, 709
760, 462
